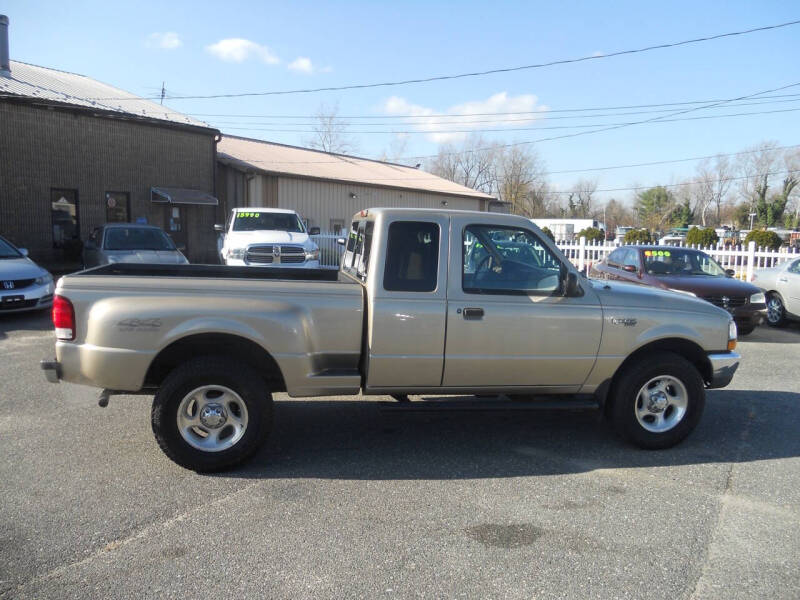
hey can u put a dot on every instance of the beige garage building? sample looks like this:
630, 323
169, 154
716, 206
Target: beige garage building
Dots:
327, 189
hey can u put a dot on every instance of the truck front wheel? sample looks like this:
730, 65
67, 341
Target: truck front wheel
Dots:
211, 414
657, 401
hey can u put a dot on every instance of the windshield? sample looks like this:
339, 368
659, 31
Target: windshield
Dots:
132, 238
268, 221
7, 250
681, 262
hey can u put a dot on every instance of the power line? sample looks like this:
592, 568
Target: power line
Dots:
481, 73
561, 172
463, 121
485, 114
508, 129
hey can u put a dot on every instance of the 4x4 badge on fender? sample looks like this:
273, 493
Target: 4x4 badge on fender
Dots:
625, 322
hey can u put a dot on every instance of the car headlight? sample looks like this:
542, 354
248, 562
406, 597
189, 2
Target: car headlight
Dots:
237, 253
732, 333
757, 298
692, 294
43, 279
312, 254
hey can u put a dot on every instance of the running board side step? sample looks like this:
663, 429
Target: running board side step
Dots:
484, 404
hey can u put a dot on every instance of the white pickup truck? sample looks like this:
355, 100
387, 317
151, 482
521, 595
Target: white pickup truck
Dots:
425, 302
267, 237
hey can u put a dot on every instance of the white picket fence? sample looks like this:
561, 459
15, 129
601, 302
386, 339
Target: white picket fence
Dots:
329, 251
742, 259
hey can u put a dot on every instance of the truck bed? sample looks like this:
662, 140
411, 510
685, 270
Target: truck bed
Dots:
212, 271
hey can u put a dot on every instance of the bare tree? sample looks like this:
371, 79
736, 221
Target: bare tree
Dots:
580, 199
472, 164
710, 190
521, 181
395, 151
330, 132
758, 167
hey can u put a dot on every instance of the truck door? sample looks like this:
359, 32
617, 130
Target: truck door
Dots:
407, 303
507, 323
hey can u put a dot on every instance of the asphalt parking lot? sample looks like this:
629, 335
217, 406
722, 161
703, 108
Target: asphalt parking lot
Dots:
352, 500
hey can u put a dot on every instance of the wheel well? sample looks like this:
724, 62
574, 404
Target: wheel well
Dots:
211, 344
682, 347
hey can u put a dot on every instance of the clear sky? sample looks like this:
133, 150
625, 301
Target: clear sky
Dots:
230, 47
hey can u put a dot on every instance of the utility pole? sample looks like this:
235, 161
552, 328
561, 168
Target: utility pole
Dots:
162, 92
751, 215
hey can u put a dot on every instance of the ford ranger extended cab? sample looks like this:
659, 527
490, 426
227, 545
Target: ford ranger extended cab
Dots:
425, 301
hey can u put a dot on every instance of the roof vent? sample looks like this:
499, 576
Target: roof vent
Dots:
5, 62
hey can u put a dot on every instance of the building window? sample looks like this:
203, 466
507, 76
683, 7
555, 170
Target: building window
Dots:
64, 215
336, 226
118, 207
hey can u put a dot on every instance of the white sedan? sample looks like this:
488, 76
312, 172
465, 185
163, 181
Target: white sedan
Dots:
781, 285
24, 285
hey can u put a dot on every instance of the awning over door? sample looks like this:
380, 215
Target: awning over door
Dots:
170, 195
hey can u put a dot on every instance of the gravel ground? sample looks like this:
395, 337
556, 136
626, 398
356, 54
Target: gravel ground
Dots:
351, 499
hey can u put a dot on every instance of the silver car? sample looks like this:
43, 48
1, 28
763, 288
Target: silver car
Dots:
24, 285
130, 243
781, 285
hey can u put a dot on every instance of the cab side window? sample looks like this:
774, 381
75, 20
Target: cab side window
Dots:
506, 260
795, 268
412, 257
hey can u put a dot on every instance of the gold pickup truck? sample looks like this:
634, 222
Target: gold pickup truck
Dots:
425, 302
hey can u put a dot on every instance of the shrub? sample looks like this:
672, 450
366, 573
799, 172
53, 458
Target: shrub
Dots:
764, 239
702, 237
548, 233
592, 234
638, 236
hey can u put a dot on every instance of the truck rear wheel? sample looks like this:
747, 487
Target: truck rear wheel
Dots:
657, 401
211, 414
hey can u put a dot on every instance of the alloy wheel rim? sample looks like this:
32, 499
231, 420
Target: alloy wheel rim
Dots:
774, 309
212, 418
661, 403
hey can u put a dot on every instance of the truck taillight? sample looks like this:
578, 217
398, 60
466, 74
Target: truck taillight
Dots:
63, 318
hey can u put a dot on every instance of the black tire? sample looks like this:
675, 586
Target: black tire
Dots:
624, 398
745, 329
776, 310
199, 372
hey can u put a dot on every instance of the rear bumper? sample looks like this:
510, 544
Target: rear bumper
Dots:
723, 366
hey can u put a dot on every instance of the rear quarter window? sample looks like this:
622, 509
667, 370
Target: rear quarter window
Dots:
412, 257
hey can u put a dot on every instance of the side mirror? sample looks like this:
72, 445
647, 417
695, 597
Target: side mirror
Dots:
219, 228
729, 272
314, 231
629, 268
571, 284
340, 241
23, 251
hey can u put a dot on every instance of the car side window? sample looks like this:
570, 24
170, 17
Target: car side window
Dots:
412, 257
795, 267
632, 259
507, 260
615, 258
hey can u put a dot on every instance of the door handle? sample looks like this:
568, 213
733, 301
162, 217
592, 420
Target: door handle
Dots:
782, 279
473, 313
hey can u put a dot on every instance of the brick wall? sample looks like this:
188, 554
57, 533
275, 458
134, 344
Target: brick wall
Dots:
42, 149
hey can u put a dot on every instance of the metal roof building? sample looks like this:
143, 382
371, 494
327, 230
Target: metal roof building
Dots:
76, 153
326, 188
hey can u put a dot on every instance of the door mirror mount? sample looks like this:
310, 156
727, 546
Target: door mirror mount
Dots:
629, 268
23, 251
219, 228
314, 231
340, 241
570, 284
730, 273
